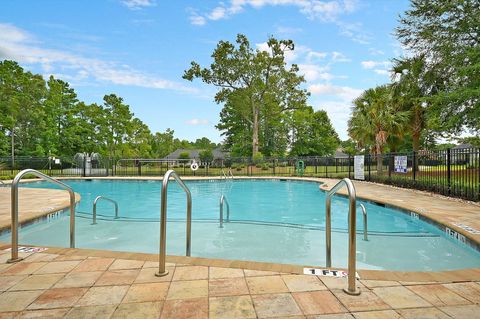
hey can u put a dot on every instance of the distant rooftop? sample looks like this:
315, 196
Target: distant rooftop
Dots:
195, 153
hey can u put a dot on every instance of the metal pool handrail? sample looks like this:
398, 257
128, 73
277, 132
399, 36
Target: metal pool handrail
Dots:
163, 220
351, 289
230, 173
95, 207
365, 229
223, 200
14, 209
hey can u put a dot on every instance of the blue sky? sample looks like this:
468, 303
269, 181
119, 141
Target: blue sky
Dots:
138, 49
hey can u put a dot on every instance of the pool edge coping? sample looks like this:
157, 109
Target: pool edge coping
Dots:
461, 275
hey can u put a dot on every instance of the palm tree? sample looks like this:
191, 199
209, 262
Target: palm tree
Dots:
375, 117
410, 88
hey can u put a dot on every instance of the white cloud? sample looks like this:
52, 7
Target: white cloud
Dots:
327, 11
339, 57
196, 122
313, 56
374, 51
379, 67
18, 45
354, 31
288, 30
344, 93
372, 64
197, 20
217, 13
313, 72
382, 71
138, 4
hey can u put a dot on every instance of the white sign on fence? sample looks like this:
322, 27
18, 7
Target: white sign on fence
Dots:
400, 164
358, 164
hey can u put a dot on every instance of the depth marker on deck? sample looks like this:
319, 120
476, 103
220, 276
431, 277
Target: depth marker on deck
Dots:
327, 272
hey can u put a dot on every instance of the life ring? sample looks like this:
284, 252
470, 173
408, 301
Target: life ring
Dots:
194, 166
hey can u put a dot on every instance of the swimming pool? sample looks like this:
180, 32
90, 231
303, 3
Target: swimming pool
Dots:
278, 221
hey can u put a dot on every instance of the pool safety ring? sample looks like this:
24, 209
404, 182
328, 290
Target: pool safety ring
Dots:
194, 166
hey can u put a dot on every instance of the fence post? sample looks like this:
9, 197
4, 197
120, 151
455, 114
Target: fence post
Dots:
349, 164
139, 168
84, 173
369, 157
273, 165
449, 189
390, 165
414, 165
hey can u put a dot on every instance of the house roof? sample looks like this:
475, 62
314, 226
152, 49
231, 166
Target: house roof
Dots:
462, 146
194, 153
340, 154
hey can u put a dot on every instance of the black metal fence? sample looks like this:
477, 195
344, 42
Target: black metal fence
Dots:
453, 172
55, 166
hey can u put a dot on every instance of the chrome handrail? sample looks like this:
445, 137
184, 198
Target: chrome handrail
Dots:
14, 209
163, 220
223, 200
351, 289
230, 173
365, 229
94, 221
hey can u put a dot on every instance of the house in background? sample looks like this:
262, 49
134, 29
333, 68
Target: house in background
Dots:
194, 154
340, 154
464, 154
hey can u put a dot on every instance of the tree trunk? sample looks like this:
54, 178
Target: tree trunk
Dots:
378, 150
255, 130
380, 139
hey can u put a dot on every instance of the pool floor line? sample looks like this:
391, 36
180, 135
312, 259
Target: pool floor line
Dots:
259, 222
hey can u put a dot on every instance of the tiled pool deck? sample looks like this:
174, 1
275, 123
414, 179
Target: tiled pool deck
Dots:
81, 283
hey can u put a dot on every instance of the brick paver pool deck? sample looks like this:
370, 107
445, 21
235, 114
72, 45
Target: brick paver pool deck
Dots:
82, 283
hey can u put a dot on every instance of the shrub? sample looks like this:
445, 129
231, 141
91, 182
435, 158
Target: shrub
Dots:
184, 157
257, 158
237, 166
206, 156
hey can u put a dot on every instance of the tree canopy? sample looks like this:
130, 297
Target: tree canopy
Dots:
437, 84
445, 34
47, 118
258, 90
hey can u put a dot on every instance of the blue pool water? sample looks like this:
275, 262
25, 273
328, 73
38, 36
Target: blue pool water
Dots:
270, 220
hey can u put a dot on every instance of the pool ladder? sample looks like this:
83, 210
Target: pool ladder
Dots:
351, 288
162, 271
14, 209
229, 174
94, 221
223, 201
